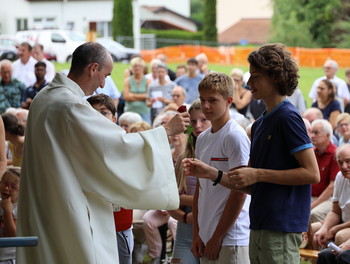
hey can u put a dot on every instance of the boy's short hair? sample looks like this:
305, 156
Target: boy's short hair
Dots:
276, 61
40, 64
217, 82
103, 99
347, 71
192, 61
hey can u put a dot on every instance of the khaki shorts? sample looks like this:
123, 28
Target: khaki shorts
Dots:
274, 247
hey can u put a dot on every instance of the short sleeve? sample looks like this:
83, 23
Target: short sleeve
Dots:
293, 127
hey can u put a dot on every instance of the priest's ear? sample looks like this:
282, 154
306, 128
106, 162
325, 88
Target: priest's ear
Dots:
92, 68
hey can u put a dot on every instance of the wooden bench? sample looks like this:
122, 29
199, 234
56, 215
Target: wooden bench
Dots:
309, 254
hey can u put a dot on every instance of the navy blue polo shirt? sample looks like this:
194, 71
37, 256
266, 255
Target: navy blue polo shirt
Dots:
276, 137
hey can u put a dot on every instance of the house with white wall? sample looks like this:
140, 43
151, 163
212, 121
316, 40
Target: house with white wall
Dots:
79, 15
229, 12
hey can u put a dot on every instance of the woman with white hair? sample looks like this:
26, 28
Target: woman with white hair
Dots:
127, 119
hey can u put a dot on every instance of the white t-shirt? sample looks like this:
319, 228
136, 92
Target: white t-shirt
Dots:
225, 149
342, 195
50, 70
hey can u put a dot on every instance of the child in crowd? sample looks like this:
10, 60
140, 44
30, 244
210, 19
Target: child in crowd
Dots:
220, 216
9, 189
122, 217
182, 248
282, 160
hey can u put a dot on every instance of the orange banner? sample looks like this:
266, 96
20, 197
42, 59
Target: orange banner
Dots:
238, 55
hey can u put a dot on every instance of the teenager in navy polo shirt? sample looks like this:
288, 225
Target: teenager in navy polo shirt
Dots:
282, 162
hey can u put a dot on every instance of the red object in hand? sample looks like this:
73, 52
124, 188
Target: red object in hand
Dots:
182, 109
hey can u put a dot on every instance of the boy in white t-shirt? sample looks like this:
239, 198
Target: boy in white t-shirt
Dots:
221, 221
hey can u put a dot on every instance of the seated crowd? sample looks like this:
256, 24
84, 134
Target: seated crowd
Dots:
212, 222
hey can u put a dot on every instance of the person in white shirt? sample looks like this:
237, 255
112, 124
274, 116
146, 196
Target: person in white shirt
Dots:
330, 68
38, 54
23, 68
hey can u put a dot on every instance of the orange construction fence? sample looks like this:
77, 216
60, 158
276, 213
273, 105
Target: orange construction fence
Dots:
238, 55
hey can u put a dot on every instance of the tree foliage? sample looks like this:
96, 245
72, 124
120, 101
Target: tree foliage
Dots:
197, 7
210, 30
122, 22
306, 23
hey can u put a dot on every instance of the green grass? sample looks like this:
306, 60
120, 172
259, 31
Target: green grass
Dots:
307, 75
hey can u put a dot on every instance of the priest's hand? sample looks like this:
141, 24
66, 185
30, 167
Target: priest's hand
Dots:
178, 124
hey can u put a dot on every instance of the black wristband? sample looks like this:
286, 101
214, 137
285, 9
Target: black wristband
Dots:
218, 179
185, 218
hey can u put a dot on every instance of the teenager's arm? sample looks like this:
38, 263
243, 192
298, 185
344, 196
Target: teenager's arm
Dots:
230, 214
202, 170
307, 173
324, 196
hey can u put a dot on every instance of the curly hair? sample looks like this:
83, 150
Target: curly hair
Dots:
276, 61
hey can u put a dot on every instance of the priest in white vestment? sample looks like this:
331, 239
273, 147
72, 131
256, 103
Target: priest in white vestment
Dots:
76, 163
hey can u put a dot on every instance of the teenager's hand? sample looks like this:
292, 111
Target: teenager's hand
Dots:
197, 248
242, 177
195, 167
212, 249
178, 124
6, 204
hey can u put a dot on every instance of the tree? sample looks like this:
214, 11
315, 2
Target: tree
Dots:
305, 23
197, 7
210, 31
122, 22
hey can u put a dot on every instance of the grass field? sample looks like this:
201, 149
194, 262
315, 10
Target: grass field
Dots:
307, 75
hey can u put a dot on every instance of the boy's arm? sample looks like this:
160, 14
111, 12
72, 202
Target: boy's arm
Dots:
307, 173
197, 243
230, 214
200, 169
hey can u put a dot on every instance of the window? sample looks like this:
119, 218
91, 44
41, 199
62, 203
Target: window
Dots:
22, 24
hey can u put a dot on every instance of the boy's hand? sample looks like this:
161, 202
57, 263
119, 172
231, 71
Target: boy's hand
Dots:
6, 204
212, 249
178, 124
242, 177
195, 167
197, 246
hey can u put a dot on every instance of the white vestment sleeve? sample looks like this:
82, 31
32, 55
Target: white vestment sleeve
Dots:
133, 170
